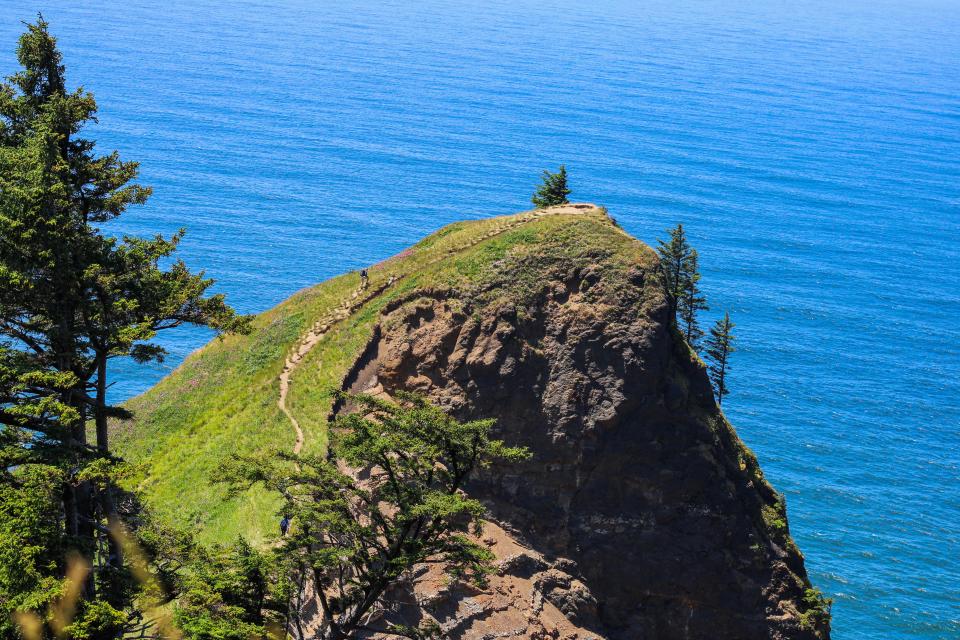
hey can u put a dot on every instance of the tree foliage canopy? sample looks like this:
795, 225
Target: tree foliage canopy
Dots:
691, 302
719, 347
389, 497
553, 191
680, 269
678, 263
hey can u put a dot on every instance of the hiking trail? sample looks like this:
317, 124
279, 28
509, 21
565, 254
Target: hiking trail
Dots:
321, 327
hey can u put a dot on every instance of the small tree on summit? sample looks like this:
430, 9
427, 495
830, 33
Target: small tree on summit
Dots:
553, 191
719, 348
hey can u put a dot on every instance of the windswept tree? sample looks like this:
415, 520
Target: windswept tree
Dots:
72, 298
389, 497
553, 190
678, 264
719, 348
691, 302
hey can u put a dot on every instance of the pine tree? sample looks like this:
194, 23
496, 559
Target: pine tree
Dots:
72, 298
719, 348
358, 539
678, 264
691, 302
553, 191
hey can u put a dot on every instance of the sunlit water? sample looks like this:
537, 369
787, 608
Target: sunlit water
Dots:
811, 148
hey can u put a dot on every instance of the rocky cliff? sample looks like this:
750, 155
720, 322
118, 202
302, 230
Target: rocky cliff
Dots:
641, 515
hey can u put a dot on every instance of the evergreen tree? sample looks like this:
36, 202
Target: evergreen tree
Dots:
33, 549
357, 538
719, 348
678, 264
553, 191
691, 302
224, 593
72, 298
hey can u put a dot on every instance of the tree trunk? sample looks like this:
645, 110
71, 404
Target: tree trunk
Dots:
723, 377
101, 406
85, 512
78, 499
107, 503
70, 518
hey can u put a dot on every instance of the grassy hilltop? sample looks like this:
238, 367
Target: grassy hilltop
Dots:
223, 398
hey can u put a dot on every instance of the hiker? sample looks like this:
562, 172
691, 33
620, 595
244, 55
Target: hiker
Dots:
363, 277
284, 525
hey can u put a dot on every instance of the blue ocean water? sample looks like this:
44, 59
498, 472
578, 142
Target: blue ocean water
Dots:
812, 149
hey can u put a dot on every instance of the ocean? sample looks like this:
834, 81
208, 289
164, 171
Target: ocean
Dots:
811, 148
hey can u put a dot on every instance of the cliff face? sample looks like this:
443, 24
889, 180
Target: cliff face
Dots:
640, 514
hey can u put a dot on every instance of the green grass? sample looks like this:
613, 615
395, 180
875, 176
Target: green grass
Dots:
223, 398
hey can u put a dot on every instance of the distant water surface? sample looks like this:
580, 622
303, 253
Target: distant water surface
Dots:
811, 148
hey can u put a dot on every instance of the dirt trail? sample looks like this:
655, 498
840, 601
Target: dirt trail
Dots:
306, 343
320, 328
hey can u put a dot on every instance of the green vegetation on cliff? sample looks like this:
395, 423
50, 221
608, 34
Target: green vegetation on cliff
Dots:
223, 399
